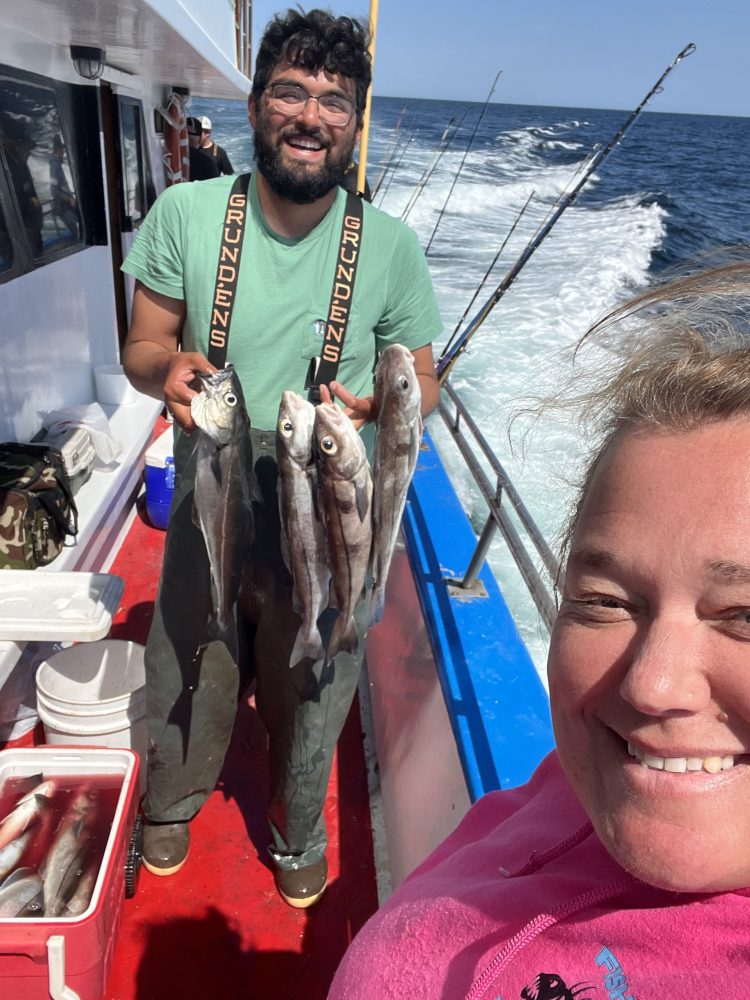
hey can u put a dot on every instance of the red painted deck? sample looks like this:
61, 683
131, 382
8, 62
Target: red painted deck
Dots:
218, 928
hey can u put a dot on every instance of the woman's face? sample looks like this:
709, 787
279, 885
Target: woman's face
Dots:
649, 665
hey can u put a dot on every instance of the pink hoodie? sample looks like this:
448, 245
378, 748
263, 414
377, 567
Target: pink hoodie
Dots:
523, 901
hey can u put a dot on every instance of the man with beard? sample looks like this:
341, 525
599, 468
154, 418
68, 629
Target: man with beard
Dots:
306, 108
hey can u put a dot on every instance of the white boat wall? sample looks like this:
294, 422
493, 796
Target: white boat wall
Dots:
64, 300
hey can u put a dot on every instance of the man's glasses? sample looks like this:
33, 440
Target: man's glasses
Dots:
291, 99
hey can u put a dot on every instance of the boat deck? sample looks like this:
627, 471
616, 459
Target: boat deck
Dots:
218, 927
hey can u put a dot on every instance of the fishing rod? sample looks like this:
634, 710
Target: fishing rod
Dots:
437, 154
385, 162
463, 160
448, 358
365, 136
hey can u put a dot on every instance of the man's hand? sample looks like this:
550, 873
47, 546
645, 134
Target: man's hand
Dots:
152, 359
181, 385
361, 409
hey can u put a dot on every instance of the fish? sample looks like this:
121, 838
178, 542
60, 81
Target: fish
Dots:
223, 493
84, 890
66, 860
302, 530
398, 433
10, 856
346, 499
27, 810
20, 894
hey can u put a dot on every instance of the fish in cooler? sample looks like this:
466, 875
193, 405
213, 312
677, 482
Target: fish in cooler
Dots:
66, 860
27, 811
84, 890
21, 894
10, 856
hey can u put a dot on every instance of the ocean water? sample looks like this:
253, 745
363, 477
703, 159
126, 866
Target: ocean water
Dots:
676, 188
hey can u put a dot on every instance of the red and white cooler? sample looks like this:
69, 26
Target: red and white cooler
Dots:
68, 958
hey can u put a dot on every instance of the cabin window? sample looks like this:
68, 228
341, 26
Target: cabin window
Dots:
44, 136
138, 189
6, 245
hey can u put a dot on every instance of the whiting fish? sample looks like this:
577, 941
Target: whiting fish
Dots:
66, 860
223, 492
346, 499
84, 890
27, 810
398, 433
302, 529
10, 856
21, 894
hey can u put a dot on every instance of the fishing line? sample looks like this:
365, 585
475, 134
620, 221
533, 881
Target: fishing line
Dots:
437, 155
448, 358
463, 160
405, 145
489, 270
389, 149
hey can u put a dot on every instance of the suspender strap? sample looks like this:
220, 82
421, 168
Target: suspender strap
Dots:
323, 370
227, 271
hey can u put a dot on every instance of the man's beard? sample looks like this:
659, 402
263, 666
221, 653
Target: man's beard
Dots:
300, 183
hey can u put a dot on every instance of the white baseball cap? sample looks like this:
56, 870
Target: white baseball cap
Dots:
205, 123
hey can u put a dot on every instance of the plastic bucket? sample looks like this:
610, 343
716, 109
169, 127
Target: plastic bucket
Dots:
112, 385
94, 694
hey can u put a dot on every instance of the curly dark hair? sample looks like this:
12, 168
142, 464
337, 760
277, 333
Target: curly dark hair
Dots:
316, 40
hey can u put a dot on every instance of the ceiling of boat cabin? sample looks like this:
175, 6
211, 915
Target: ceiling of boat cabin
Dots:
137, 40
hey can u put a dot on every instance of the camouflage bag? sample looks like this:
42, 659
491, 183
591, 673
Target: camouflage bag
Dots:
37, 510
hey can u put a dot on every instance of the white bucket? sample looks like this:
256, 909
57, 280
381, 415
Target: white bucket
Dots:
94, 693
112, 385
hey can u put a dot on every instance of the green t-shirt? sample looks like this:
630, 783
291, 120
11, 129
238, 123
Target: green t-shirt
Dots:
284, 289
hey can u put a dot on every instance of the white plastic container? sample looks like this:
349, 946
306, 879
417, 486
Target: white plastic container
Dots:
57, 607
112, 386
94, 694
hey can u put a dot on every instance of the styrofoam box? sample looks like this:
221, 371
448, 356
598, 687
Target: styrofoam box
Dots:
57, 607
42, 957
159, 478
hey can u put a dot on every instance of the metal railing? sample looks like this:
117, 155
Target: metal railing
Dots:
499, 517
243, 28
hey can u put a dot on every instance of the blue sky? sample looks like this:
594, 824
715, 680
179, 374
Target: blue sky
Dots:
573, 53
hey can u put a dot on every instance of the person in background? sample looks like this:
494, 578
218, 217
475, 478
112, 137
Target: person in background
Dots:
202, 165
622, 869
214, 150
306, 109
64, 203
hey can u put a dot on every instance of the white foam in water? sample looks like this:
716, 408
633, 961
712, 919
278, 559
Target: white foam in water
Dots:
594, 257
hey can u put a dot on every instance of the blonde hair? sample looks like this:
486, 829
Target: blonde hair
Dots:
684, 350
